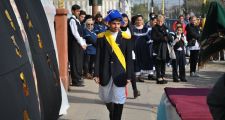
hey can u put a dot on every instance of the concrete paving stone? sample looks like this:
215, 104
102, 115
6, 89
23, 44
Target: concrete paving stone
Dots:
86, 105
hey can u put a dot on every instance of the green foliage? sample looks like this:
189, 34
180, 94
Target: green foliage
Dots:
194, 5
140, 9
205, 8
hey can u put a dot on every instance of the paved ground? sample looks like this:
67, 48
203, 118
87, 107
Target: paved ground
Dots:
86, 105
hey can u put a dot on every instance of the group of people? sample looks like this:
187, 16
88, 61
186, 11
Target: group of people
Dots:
116, 51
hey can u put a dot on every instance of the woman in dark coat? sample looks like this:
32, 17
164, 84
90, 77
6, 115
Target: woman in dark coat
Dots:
161, 38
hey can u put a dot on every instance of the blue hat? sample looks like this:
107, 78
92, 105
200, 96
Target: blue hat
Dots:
112, 15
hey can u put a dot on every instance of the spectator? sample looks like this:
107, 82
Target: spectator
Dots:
193, 37
126, 27
180, 21
161, 37
179, 44
99, 25
143, 48
90, 37
77, 45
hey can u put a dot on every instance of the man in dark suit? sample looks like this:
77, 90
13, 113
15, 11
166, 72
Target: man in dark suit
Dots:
113, 62
77, 45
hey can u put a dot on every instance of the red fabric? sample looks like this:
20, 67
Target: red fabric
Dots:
190, 103
126, 91
174, 26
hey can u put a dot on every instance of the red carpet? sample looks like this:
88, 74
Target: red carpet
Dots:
190, 103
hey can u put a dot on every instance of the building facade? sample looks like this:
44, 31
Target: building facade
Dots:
106, 5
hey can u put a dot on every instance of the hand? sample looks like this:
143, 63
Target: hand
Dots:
84, 47
128, 81
96, 79
182, 38
165, 38
176, 40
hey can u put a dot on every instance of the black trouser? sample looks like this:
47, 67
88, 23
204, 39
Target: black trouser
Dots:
115, 111
222, 55
133, 76
160, 66
89, 61
179, 61
133, 81
194, 54
86, 63
76, 63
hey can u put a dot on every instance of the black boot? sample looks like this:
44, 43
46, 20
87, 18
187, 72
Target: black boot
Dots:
136, 93
117, 113
139, 79
151, 77
110, 107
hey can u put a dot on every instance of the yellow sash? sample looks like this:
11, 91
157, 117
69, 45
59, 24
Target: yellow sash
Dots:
115, 48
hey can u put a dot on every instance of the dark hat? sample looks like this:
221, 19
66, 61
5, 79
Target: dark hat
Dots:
152, 16
112, 15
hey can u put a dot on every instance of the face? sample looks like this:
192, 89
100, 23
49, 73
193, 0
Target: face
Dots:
76, 12
153, 22
81, 18
160, 21
194, 21
139, 21
99, 19
90, 25
181, 19
179, 30
114, 25
187, 16
125, 19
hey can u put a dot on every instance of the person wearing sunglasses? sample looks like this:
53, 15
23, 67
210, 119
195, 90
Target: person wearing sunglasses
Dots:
90, 37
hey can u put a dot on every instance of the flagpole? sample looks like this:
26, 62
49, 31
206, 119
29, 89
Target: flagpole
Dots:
152, 6
163, 7
94, 7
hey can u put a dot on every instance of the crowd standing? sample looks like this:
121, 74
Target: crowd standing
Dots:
115, 50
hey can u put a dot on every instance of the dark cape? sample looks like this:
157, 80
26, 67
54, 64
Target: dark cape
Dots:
19, 99
43, 55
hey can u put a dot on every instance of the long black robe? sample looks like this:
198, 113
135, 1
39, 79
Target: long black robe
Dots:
43, 54
18, 94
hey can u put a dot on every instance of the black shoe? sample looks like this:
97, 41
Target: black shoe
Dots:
183, 80
161, 82
78, 84
140, 80
136, 93
151, 77
175, 79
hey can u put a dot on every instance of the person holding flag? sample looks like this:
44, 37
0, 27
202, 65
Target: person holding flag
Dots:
113, 65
